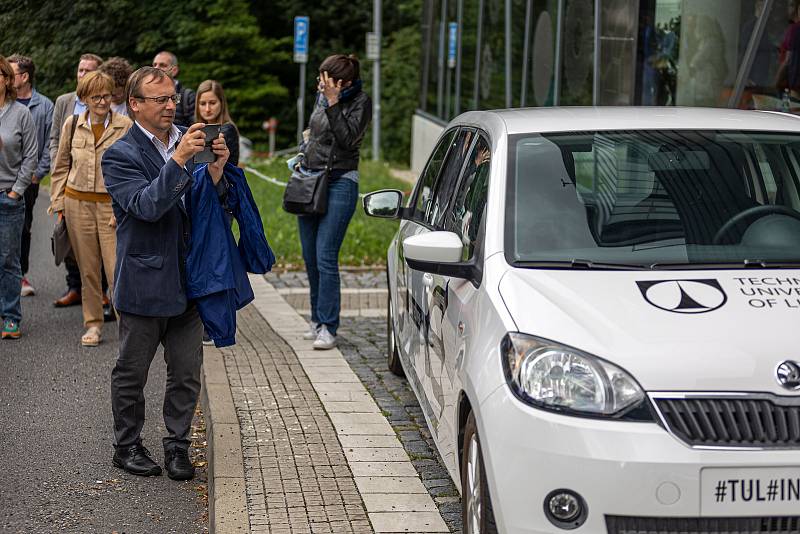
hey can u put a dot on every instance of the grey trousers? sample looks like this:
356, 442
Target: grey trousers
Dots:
139, 337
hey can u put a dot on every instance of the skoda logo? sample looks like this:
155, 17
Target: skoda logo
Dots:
788, 374
684, 296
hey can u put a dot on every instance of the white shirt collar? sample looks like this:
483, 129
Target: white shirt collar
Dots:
167, 150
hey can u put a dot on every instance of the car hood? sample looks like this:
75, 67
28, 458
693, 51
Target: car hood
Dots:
672, 330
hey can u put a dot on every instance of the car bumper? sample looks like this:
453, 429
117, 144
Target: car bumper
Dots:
619, 468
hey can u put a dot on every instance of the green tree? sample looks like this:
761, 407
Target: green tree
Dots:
222, 41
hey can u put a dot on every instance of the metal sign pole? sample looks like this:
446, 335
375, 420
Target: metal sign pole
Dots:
301, 27
376, 83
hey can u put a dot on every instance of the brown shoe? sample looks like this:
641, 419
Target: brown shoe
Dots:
70, 298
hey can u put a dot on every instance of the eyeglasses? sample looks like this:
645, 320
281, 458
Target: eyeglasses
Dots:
97, 98
161, 100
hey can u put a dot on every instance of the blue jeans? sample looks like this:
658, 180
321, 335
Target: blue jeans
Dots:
321, 238
12, 219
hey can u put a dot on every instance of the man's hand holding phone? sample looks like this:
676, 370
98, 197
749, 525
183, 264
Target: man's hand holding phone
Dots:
221, 153
192, 142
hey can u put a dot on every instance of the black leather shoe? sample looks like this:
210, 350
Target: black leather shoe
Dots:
179, 467
136, 460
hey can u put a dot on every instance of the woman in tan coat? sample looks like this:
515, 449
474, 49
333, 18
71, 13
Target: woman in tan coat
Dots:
79, 193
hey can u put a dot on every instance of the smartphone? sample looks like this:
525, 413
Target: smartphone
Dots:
207, 155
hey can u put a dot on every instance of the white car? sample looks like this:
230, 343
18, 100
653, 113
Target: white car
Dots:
599, 312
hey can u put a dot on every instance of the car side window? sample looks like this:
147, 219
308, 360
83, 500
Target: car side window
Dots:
445, 187
469, 205
428, 178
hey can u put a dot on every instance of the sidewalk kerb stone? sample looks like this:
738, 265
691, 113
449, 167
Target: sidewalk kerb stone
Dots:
227, 498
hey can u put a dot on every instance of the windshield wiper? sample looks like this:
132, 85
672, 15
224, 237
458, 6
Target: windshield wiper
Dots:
746, 264
579, 264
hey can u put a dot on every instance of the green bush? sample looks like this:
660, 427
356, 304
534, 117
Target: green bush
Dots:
367, 238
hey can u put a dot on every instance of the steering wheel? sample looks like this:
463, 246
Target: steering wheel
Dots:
755, 212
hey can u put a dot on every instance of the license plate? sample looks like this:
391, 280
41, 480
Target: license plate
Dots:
750, 491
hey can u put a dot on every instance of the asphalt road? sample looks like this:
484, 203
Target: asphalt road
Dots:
56, 437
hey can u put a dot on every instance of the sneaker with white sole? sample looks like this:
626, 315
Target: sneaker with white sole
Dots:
27, 289
313, 330
325, 340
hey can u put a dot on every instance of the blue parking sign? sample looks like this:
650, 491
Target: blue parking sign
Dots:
452, 44
301, 27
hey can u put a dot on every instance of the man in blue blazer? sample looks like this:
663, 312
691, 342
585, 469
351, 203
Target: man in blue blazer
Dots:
148, 173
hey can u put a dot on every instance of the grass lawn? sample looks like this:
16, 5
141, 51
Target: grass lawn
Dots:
367, 238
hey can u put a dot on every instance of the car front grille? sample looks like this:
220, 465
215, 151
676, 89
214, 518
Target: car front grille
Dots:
758, 421
702, 525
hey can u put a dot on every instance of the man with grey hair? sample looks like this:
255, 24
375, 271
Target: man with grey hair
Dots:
41, 109
168, 62
148, 172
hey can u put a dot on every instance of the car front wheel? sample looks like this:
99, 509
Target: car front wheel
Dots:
476, 505
392, 355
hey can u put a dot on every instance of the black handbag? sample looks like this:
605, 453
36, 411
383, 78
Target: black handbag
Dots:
307, 194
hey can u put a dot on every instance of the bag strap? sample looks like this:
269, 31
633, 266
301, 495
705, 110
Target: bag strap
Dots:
72, 136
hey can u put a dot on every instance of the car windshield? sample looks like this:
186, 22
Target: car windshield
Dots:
654, 198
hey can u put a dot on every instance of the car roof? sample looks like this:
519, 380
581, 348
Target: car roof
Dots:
571, 119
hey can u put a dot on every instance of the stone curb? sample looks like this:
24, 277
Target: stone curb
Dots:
227, 498
354, 300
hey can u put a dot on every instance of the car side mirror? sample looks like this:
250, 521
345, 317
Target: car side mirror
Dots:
384, 204
439, 253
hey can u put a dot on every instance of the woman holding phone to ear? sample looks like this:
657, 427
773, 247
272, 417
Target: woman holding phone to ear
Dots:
212, 108
337, 127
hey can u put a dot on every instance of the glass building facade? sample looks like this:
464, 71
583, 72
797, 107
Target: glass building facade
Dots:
518, 53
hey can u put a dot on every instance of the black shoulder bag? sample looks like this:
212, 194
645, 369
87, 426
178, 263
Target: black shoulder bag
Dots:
308, 194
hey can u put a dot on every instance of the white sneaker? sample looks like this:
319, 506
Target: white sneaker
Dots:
313, 330
325, 340
27, 289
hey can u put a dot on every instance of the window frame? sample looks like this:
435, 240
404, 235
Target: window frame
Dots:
412, 204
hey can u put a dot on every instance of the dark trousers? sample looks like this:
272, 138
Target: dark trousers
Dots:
30, 200
73, 273
139, 337
321, 238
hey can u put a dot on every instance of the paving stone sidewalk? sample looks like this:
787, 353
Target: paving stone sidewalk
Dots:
297, 477
314, 452
362, 341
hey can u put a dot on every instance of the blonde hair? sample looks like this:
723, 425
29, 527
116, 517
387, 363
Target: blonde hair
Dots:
94, 82
215, 87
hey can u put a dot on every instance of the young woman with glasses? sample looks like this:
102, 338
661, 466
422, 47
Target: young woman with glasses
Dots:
79, 194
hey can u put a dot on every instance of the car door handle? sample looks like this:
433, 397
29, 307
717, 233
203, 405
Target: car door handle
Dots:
427, 280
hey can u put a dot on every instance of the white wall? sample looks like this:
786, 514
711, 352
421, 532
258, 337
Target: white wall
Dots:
424, 134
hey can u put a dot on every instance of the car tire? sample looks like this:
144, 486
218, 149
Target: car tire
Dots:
477, 514
392, 355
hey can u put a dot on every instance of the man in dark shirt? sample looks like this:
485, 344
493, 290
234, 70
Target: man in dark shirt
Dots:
184, 113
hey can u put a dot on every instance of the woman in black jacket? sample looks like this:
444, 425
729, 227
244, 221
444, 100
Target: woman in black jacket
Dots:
212, 108
336, 129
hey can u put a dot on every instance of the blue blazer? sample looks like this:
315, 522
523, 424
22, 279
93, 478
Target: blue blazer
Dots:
153, 227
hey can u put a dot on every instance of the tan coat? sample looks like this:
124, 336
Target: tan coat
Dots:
85, 173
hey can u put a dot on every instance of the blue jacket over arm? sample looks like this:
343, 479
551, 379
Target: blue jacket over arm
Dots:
216, 266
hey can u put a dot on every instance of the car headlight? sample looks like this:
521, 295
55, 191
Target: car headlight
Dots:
553, 376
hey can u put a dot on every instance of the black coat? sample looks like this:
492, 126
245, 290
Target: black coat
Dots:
337, 132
